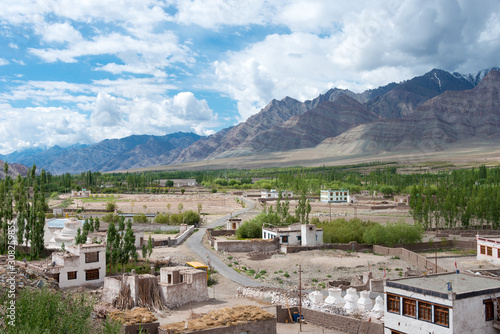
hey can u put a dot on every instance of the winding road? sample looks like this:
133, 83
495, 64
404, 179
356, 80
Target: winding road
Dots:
194, 243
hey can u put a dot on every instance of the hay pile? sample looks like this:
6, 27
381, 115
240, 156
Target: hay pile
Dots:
224, 317
138, 315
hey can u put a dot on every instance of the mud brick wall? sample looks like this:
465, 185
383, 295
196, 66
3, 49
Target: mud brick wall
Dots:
151, 328
352, 246
344, 324
246, 246
262, 326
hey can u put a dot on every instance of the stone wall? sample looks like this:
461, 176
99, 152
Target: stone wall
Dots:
409, 256
246, 246
263, 326
352, 246
330, 321
179, 294
150, 328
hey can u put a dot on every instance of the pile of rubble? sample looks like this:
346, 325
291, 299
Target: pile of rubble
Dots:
221, 318
138, 315
25, 277
273, 295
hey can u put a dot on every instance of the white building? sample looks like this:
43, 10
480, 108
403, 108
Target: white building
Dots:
335, 196
233, 223
79, 265
442, 303
81, 193
488, 249
295, 234
273, 193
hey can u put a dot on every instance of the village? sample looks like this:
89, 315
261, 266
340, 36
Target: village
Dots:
202, 278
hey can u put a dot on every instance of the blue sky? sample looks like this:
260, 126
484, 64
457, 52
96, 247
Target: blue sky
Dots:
83, 71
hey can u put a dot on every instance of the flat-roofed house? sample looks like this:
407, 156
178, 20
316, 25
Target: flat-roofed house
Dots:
442, 303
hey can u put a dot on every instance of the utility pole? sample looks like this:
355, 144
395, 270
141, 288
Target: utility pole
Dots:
330, 205
300, 297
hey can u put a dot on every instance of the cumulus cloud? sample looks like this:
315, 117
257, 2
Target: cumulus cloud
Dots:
106, 112
4, 61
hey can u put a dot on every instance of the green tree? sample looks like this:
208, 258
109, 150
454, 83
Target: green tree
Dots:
191, 217
200, 206
111, 206
140, 218
97, 224
180, 207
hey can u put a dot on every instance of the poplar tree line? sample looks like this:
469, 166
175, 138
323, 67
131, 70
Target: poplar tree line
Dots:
460, 199
23, 201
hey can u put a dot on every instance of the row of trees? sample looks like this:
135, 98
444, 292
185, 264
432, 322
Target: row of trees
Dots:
22, 201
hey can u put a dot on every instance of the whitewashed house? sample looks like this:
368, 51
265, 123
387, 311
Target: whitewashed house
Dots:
79, 265
295, 234
335, 196
488, 249
233, 223
81, 193
442, 303
273, 193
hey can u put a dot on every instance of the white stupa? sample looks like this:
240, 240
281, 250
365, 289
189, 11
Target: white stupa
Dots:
66, 235
334, 297
316, 297
378, 309
351, 300
364, 301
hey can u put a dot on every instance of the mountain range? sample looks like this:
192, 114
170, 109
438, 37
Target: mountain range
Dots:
427, 113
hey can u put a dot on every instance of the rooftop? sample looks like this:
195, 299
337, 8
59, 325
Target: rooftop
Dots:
291, 228
463, 285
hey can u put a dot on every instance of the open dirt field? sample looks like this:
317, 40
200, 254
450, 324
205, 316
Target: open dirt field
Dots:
212, 204
318, 267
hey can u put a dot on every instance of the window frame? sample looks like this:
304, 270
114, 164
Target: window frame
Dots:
489, 251
489, 310
92, 257
91, 273
410, 307
424, 311
439, 312
393, 303
482, 249
70, 275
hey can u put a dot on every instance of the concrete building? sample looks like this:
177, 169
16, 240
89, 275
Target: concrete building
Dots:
402, 199
79, 265
273, 193
335, 196
177, 285
295, 234
233, 223
81, 193
442, 303
488, 249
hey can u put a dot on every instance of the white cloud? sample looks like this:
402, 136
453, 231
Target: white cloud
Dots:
106, 111
4, 61
59, 33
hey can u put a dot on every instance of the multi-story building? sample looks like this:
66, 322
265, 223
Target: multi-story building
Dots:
488, 249
79, 265
273, 193
442, 303
335, 196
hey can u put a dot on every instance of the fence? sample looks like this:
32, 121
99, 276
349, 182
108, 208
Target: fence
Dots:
409, 256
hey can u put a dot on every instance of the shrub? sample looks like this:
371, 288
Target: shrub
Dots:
140, 218
250, 229
111, 206
191, 217
162, 218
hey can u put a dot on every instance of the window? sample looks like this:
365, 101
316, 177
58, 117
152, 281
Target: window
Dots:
488, 309
71, 275
392, 303
299, 238
441, 315
396, 332
409, 307
92, 274
56, 277
284, 239
489, 251
424, 311
498, 253
91, 257
483, 249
